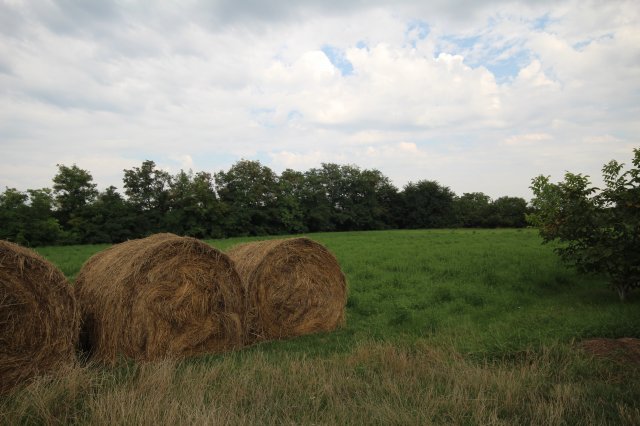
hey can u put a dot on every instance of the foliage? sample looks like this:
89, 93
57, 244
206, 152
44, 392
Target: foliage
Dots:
509, 212
249, 191
599, 229
248, 199
147, 189
427, 204
113, 219
473, 210
27, 218
194, 209
74, 192
477, 210
12, 213
289, 195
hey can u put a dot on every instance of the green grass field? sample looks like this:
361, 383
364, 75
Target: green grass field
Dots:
444, 326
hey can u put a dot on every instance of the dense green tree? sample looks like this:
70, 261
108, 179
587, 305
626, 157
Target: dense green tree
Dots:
112, 218
249, 192
599, 229
73, 191
194, 209
342, 198
27, 218
372, 197
338, 181
509, 212
291, 186
316, 201
13, 208
41, 228
427, 204
248, 199
147, 189
473, 210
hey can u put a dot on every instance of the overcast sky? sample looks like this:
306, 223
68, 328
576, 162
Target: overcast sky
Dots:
478, 95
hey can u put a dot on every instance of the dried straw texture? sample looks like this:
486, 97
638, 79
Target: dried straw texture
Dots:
160, 297
294, 287
39, 317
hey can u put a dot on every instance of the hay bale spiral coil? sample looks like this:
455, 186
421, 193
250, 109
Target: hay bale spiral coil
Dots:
39, 317
294, 287
163, 296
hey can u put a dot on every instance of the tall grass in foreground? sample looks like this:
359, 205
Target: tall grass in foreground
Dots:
376, 383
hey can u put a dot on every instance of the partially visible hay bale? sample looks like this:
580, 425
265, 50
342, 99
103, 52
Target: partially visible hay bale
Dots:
39, 318
160, 297
294, 287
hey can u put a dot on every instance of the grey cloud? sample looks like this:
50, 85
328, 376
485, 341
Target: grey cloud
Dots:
76, 16
12, 20
179, 78
231, 12
78, 100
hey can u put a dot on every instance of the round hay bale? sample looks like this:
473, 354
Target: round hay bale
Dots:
159, 297
39, 317
294, 287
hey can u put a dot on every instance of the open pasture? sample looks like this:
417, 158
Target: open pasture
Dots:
445, 326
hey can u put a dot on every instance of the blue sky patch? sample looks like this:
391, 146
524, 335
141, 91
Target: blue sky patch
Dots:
507, 69
294, 115
462, 43
542, 22
504, 70
584, 43
337, 58
263, 116
476, 54
417, 30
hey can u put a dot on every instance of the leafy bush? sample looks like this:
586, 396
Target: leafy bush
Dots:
599, 228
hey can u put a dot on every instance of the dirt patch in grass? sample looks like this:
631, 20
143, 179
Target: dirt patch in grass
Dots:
623, 350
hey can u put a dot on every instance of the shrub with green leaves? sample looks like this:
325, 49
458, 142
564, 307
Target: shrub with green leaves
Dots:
598, 228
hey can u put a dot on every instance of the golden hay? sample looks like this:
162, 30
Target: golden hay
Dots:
294, 287
39, 318
160, 297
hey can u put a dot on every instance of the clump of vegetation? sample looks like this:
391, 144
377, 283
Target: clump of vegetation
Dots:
248, 199
599, 229
375, 383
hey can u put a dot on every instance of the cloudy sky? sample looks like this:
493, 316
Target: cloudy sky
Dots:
478, 95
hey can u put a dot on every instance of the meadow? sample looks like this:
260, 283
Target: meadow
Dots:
443, 326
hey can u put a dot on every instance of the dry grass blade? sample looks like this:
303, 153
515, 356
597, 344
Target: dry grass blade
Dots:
294, 287
39, 318
158, 297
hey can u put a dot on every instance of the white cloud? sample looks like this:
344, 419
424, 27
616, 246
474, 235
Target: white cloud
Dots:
202, 84
527, 139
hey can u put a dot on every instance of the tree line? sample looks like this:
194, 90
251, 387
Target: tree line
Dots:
247, 199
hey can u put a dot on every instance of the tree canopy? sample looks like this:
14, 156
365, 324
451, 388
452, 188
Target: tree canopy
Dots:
599, 229
247, 199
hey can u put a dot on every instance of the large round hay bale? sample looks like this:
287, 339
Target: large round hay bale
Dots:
39, 318
158, 297
294, 287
